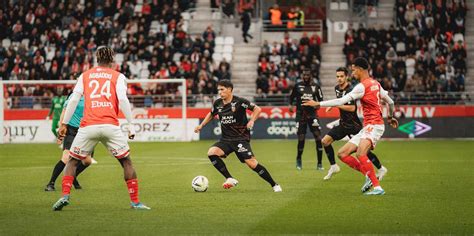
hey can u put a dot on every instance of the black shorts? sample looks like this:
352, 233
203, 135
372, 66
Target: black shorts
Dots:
312, 123
242, 149
69, 138
338, 132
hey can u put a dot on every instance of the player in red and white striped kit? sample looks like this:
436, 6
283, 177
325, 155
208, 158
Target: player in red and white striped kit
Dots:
369, 92
104, 91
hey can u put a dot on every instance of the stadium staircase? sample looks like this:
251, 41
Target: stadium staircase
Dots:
332, 58
469, 38
384, 14
244, 69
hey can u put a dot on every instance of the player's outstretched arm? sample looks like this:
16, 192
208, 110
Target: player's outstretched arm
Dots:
206, 120
391, 108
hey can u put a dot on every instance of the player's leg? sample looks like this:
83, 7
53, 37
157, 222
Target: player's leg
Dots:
381, 170
54, 126
371, 134
116, 142
334, 169
57, 170
316, 131
301, 126
344, 154
244, 152
215, 154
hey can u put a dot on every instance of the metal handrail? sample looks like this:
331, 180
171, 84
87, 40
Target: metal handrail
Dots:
309, 25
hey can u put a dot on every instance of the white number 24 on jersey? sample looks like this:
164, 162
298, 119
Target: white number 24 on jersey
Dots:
104, 91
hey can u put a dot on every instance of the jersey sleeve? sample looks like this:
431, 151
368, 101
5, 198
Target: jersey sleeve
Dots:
293, 94
318, 94
356, 93
384, 96
121, 88
79, 88
67, 101
247, 104
214, 108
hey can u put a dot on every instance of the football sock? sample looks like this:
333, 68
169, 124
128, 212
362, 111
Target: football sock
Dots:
132, 185
373, 158
67, 184
352, 162
368, 170
262, 171
219, 164
330, 153
300, 149
80, 168
57, 171
319, 151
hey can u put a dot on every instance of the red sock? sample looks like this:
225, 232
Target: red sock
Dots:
367, 169
352, 162
67, 184
132, 185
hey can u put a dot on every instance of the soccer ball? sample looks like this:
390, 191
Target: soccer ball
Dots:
200, 183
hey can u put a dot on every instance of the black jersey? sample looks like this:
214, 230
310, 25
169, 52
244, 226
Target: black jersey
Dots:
233, 118
302, 92
349, 119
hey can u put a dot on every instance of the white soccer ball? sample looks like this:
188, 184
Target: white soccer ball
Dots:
200, 183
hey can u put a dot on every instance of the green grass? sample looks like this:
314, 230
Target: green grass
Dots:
429, 190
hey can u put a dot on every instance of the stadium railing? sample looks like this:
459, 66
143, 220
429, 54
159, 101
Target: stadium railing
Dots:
309, 25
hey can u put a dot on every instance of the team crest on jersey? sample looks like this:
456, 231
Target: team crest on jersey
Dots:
313, 88
315, 122
232, 104
77, 150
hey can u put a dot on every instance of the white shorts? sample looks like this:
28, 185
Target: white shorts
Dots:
370, 132
109, 135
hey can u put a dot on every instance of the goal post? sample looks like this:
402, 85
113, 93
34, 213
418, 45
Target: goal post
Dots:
152, 128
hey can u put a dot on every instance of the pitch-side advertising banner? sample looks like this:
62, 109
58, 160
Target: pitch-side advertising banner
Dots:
147, 130
443, 127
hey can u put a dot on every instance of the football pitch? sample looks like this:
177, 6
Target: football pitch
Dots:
429, 189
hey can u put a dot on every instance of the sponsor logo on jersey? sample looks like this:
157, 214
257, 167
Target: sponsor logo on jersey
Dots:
97, 104
228, 120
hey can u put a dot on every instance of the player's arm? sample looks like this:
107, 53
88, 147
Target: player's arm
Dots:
292, 98
391, 108
206, 120
124, 104
349, 108
356, 93
256, 110
71, 106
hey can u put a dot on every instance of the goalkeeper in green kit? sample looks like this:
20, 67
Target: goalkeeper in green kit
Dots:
57, 104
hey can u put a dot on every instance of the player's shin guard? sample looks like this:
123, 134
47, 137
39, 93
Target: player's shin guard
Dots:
352, 162
368, 170
219, 164
330, 153
67, 184
373, 158
319, 151
262, 171
132, 185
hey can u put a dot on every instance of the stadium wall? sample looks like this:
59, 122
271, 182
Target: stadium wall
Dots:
164, 124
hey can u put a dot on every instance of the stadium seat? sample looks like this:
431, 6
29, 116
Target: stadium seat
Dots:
227, 56
145, 64
343, 6
177, 56
6, 43
144, 74
219, 40
217, 56
119, 58
216, 16
186, 15
334, 6
140, 2
227, 49
401, 47
458, 37
229, 40
138, 8
26, 102
25, 42
65, 33
218, 48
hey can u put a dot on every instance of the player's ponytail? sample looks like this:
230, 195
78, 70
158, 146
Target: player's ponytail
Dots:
105, 55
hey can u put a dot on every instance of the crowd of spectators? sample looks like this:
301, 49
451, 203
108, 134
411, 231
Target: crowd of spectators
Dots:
56, 40
424, 52
280, 63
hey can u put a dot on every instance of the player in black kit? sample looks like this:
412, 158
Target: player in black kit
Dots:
307, 116
235, 134
349, 124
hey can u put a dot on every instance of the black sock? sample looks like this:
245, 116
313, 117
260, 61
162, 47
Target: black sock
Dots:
330, 153
373, 158
319, 151
300, 149
264, 174
57, 171
80, 168
219, 164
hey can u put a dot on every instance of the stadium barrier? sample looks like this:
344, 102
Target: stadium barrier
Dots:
165, 124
